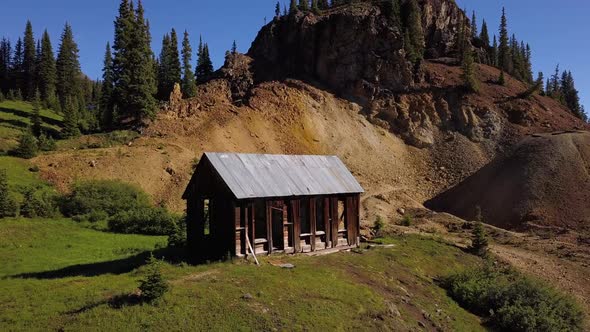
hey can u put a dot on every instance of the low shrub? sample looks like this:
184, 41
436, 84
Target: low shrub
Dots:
514, 302
104, 196
8, 205
148, 221
27, 147
378, 226
177, 238
39, 203
407, 220
154, 286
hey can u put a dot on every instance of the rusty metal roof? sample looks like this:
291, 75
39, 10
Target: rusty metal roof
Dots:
269, 175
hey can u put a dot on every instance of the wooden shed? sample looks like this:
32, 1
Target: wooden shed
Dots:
272, 203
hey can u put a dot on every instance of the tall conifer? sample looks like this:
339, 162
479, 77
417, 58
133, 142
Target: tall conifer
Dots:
189, 88
68, 67
47, 70
504, 56
29, 55
5, 64
107, 115
17, 72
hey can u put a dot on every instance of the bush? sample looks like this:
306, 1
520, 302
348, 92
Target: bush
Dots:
37, 203
513, 302
378, 226
177, 238
154, 286
109, 197
27, 146
407, 220
148, 221
47, 143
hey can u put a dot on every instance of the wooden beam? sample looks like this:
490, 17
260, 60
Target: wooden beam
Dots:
326, 220
269, 226
244, 220
285, 225
350, 225
252, 222
296, 225
334, 219
238, 229
312, 221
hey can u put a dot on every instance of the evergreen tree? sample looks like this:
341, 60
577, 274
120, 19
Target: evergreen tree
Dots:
47, 71
570, 94
473, 25
133, 66
70, 121
315, 7
528, 63
469, 80
107, 115
29, 55
175, 71
541, 78
189, 87
27, 146
415, 32
7, 203
154, 286
234, 48
553, 87
323, 4
5, 65
479, 240
67, 67
36, 115
170, 69
17, 72
502, 78
494, 53
304, 5
204, 65
504, 55
392, 9
278, 10
484, 35
293, 7
30, 205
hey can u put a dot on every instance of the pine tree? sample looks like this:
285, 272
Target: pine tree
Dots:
17, 72
541, 78
5, 65
107, 115
170, 69
494, 53
502, 78
234, 48
70, 121
415, 32
278, 10
154, 286
29, 56
473, 25
304, 5
323, 4
36, 115
469, 80
479, 240
67, 67
293, 7
504, 55
484, 35
528, 63
47, 70
31, 205
553, 87
570, 94
204, 65
189, 87
135, 81
315, 7
27, 146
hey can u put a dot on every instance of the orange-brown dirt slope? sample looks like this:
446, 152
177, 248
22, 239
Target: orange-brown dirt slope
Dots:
544, 181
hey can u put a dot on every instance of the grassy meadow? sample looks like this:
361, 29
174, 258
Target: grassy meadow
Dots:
58, 275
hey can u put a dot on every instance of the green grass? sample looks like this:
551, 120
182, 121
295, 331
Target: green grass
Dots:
15, 117
20, 177
70, 277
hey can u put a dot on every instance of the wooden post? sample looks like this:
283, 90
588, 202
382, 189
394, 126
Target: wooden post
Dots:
252, 223
334, 220
238, 228
350, 226
244, 220
312, 221
285, 225
326, 221
269, 226
296, 225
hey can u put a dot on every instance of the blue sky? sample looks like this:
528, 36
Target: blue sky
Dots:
556, 30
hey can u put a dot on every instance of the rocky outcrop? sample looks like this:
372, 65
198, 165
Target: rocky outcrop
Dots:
352, 50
